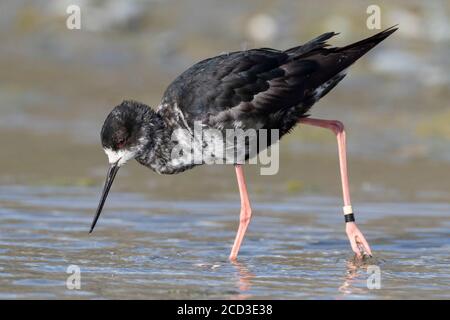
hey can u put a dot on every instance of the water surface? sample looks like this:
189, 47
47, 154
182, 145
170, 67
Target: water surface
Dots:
146, 249
170, 236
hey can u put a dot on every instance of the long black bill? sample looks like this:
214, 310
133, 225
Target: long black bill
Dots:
109, 180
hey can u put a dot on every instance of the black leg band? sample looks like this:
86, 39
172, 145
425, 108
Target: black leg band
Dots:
349, 217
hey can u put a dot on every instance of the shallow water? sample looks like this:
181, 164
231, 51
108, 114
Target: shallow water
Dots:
145, 248
174, 240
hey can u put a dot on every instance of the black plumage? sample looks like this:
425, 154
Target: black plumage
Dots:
262, 88
253, 89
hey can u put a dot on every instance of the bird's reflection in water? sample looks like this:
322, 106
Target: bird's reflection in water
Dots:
355, 278
244, 280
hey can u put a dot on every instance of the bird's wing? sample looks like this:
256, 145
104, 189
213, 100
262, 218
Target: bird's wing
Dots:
239, 86
254, 88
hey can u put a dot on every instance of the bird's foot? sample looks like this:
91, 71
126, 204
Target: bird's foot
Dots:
359, 244
232, 257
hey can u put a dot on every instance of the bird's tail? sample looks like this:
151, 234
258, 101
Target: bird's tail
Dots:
358, 49
333, 61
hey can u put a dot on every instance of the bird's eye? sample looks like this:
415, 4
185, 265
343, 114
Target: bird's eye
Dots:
120, 142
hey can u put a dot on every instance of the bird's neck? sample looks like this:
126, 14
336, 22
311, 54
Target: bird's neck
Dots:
157, 153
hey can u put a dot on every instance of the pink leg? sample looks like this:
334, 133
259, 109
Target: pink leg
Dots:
357, 240
246, 212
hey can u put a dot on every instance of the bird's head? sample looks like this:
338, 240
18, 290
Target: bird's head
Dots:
124, 135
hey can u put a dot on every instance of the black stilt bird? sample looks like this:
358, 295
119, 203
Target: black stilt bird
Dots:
253, 89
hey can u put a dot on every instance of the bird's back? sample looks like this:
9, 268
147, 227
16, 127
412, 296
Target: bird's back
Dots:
261, 88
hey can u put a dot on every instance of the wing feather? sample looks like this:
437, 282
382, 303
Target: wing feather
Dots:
262, 87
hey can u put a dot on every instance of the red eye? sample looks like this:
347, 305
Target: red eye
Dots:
120, 143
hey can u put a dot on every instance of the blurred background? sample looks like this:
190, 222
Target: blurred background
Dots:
169, 236
57, 86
